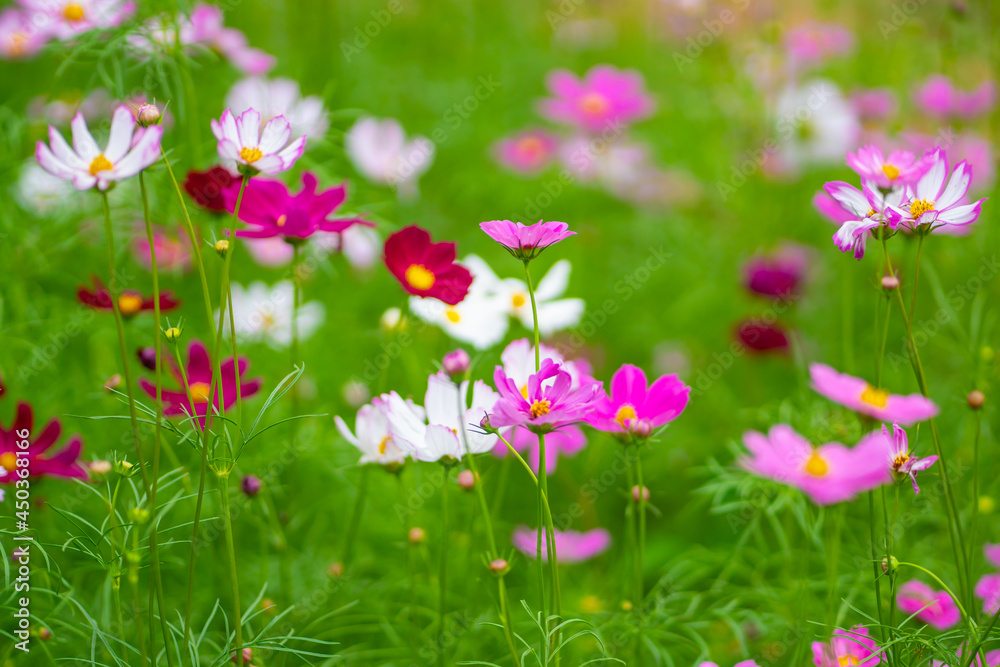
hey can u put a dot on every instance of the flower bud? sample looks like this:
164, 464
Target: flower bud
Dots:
456, 363
355, 393
173, 334
138, 515
222, 247
417, 535
268, 605
99, 468
112, 382
890, 564
147, 114
467, 480
336, 569
975, 399
45, 634
641, 429
986, 504
124, 468
499, 566
484, 424
626, 605
247, 656
250, 485
392, 319
645, 493
147, 357
890, 283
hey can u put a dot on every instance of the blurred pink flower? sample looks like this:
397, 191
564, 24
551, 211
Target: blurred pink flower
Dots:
207, 28
762, 337
527, 152
571, 546
603, 99
19, 37
935, 608
898, 168
812, 43
778, 275
566, 441
65, 19
382, 153
874, 104
992, 554
856, 394
988, 590
635, 406
938, 97
829, 473
171, 251
847, 648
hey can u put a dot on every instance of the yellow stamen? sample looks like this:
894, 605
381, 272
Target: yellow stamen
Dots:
282, 219
129, 304
594, 103
100, 163
200, 392
17, 43
540, 408
900, 460
517, 300
816, 466
8, 461
875, 397
892, 173
532, 146
624, 412
919, 207
524, 392
381, 445
419, 277
452, 315
251, 154
73, 12
848, 661
266, 320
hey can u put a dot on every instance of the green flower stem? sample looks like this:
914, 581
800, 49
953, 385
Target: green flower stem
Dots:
443, 570
227, 520
640, 592
359, 508
975, 501
133, 577
875, 564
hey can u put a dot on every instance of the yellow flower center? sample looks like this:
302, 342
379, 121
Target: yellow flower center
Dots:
848, 661
8, 461
530, 146
199, 392
517, 300
267, 320
900, 460
282, 219
816, 466
419, 277
452, 315
73, 12
100, 163
251, 155
920, 206
524, 392
871, 213
875, 397
624, 412
594, 103
381, 445
892, 173
17, 43
540, 408
129, 304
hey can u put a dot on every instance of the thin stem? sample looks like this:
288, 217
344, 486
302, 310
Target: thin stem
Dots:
227, 520
975, 499
916, 274
443, 571
875, 563
352, 528
640, 592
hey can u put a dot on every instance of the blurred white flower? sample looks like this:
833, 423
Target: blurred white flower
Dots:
815, 125
355, 393
280, 97
380, 151
263, 313
39, 191
371, 432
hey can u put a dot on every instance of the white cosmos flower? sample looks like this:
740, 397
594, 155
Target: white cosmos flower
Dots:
479, 320
816, 125
263, 313
380, 151
280, 97
39, 191
86, 165
371, 432
243, 143
439, 436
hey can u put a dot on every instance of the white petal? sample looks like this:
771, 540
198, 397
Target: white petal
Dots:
248, 128
930, 184
441, 401
557, 315
957, 186
83, 141
555, 282
276, 134
120, 138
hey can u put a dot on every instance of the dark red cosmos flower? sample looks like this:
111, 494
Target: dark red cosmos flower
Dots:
199, 377
271, 210
759, 336
206, 187
130, 301
424, 268
779, 275
63, 463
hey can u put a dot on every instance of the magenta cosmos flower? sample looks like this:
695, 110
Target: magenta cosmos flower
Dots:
847, 648
130, 302
873, 104
778, 275
65, 19
63, 463
246, 147
567, 441
902, 463
605, 98
866, 210
938, 198
988, 590
937, 96
828, 474
199, 377
86, 165
899, 168
526, 242
634, 406
426, 269
858, 395
550, 400
812, 43
527, 152
571, 546
992, 554
271, 211
762, 337
935, 608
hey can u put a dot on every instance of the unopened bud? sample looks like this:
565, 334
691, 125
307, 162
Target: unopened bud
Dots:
173, 334
148, 114
890, 283
336, 569
467, 480
456, 363
417, 535
139, 515
251, 484
641, 429
247, 656
986, 504
484, 424
890, 564
499, 566
645, 493
99, 468
626, 605
45, 634
975, 399
268, 605
112, 382
392, 319
147, 357
124, 468
222, 247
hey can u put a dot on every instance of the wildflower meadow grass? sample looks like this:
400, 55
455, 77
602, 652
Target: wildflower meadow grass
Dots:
531, 334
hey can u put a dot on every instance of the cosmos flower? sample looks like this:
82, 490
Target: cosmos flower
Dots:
992, 554
988, 590
65, 19
812, 43
371, 433
479, 319
439, 437
966, 146
856, 394
426, 269
280, 97
206, 188
526, 242
380, 151
635, 406
935, 608
899, 168
828, 474
130, 302
853, 647
902, 463
546, 405
518, 360
870, 209
264, 313
86, 165
938, 97
41, 463
527, 152
603, 99
815, 125
874, 103
939, 199
19, 38
762, 337
245, 145
40, 192
779, 275
199, 377
171, 252
270, 210
567, 441
571, 546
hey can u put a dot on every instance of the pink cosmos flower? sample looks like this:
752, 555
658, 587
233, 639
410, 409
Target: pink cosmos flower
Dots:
870, 209
63, 463
171, 252
127, 152
545, 405
605, 98
778, 275
518, 360
828, 474
571, 546
382, 153
270, 210
527, 152
567, 441
902, 463
65, 19
742, 663
937, 96
992, 660
206, 28
634, 406
935, 608
199, 377
853, 647
858, 395
244, 146
526, 242
19, 38
938, 198
812, 43
899, 168
831, 209
966, 146
762, 337
992, 554
988, 590
874, 103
